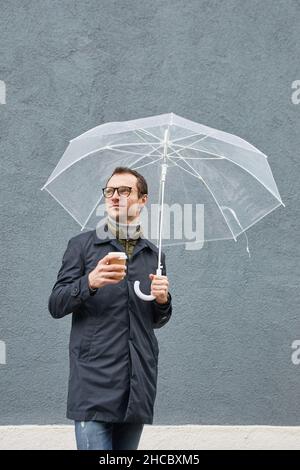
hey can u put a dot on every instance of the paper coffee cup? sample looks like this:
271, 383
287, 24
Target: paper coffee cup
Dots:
117, 257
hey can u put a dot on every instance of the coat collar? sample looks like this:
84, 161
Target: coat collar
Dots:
141, 243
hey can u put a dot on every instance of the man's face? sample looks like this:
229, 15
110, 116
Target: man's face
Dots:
123, 208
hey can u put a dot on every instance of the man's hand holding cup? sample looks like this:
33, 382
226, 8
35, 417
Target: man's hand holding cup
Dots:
110, 270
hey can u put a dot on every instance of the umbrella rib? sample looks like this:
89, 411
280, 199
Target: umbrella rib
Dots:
195, 142
234, 163
257, 220
197, 158
94, 207
100, 149
142, 138
216, 201
198, 150
201, 179
184, 169
64, 207
144, 156
257, 179
71, 164
189, 136
129, 144
147, 164
127, 151
148, 133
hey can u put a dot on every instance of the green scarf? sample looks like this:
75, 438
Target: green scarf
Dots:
126, 234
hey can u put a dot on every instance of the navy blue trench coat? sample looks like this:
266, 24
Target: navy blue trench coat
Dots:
113, 351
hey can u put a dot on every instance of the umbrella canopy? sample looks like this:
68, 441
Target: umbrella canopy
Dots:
228, 176
195, 174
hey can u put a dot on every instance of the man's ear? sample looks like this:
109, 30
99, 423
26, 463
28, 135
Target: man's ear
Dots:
144, 199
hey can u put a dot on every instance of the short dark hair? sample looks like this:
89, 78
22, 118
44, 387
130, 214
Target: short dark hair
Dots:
141, 184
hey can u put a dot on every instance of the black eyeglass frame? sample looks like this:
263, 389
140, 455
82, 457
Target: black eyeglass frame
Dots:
117, 188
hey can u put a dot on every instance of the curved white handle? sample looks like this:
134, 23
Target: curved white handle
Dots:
140, 294
138, 291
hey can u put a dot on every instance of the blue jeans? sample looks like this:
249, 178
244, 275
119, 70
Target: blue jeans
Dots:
97, 435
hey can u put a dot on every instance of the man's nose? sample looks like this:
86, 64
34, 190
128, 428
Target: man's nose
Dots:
115, 196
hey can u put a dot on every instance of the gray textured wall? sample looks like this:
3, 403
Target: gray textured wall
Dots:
225, 358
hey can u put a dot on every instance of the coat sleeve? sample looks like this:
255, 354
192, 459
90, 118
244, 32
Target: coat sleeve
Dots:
162, 312
71, 288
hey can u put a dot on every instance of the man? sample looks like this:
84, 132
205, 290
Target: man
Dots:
113, 349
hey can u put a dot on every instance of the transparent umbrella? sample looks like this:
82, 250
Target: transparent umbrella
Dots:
204, 184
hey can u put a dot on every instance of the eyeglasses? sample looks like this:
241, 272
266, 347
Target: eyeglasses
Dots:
123, 191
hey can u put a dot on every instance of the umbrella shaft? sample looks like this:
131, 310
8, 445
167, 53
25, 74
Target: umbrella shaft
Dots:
164, 167
163, 180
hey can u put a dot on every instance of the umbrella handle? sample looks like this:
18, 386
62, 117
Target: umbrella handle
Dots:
140, 294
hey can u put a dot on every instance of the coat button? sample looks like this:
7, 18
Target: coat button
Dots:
75, 291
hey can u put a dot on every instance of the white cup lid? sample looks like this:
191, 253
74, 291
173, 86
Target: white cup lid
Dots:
117, 254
